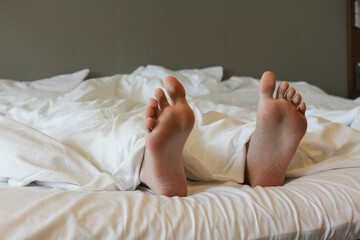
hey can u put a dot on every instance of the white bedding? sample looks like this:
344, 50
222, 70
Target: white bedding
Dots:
62, 133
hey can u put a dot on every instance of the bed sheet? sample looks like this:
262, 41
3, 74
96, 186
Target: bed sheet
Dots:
319, 201
319, 206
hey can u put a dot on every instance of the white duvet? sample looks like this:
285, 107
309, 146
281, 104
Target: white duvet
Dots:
67, 133
64, 133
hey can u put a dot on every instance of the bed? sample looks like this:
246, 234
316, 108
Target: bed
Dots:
53, 187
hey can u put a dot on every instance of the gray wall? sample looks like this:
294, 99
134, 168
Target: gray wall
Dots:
300, 40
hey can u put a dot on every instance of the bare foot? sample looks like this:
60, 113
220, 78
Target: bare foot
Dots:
280, 126
169, 126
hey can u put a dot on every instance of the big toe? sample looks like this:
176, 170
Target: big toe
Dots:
267, 85
175, 89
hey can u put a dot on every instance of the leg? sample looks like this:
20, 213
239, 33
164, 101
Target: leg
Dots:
169, 126
280, 126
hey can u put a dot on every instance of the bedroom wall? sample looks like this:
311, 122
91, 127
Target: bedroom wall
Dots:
298, 40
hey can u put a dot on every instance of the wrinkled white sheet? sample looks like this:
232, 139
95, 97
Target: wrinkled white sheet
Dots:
65, 133
322, 202
319, 206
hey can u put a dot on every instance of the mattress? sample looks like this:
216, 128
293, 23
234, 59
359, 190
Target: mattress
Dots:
45, 198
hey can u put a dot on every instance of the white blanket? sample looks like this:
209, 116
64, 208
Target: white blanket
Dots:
67, 133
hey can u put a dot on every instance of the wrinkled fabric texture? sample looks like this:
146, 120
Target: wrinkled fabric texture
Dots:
319, 201
67, 133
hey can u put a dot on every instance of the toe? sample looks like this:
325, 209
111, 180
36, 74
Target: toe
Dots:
283, 87
297, 100
267, 85
161, 98
153, 103
290, 94
175, 89
149, 123
302, 108
149, 112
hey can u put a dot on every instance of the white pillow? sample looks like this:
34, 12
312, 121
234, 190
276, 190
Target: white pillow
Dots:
204, 74
60, 83
197, 82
